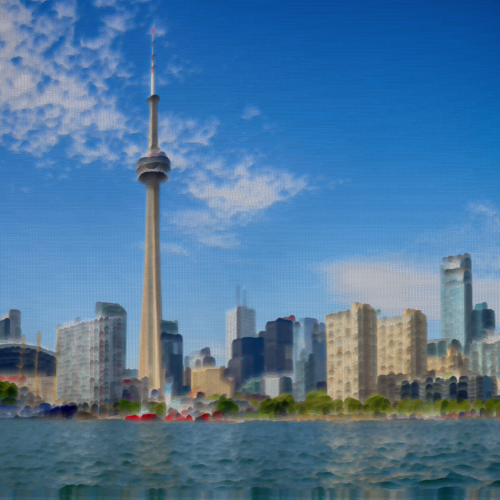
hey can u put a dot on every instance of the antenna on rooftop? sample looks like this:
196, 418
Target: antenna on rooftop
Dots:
237, 295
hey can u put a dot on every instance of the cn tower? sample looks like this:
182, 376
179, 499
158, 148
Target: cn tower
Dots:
152, 171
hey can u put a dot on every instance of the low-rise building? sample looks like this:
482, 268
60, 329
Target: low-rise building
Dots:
210, 381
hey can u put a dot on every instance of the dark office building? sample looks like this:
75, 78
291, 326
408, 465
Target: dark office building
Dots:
5, 330
483, 321
171, 356
319, 352
247, 360
10, 326
278, 347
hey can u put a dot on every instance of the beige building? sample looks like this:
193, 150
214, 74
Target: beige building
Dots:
352, 352
402, 345
454, 364
210, 380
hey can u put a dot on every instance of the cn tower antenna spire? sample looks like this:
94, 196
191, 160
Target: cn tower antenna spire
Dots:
153, 65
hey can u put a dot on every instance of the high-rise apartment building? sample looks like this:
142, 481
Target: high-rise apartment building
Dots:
10, 326
456, 299
352, 352
91, 357
240, 322
482, 322
171, 357
402, 345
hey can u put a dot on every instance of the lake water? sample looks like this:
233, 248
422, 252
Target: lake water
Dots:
253, 460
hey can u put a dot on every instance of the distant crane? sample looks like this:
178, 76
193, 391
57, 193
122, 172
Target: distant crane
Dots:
37, 382
54, 395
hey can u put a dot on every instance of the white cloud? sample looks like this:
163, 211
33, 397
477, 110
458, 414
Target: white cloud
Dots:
65, 9
412, 278
233, 196
44, 164
105, 3
119, 22
176, 131
389, 286
174, 248
55, 85
250, 112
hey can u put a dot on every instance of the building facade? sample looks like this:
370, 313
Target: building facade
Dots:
482, 322
247, 360
456, 299
402, 345
240, 322
10, 326
91, 357
302, 348
485, 357
445, 359
278, 347
171, 357
211, 381
352, 352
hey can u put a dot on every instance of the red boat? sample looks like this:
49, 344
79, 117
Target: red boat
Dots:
145, 418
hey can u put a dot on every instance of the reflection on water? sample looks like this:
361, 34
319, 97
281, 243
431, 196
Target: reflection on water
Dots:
412, 459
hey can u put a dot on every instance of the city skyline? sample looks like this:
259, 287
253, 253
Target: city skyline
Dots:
371, 156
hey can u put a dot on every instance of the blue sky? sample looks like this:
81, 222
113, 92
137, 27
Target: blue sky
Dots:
322, 153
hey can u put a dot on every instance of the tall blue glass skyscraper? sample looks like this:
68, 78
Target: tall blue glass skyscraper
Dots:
456, 299
302, 348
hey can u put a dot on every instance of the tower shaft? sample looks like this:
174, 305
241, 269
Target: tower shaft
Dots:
150, 355
152, 170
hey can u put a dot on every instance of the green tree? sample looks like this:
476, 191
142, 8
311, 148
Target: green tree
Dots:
444, 406
352, 406
227, 406
410, 406
278, 406
338, 406
8, 393
378, 404
490, 407
477, 405
128, 408
318, 402
160, 409
124, 405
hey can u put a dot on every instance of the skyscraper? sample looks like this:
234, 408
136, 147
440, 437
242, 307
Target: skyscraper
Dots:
352, 352
10, 326
247, 360
171, 357
240, 322
482, 322
456, 299
278, 347
91, 357
302, 349
152, 170
402, 345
